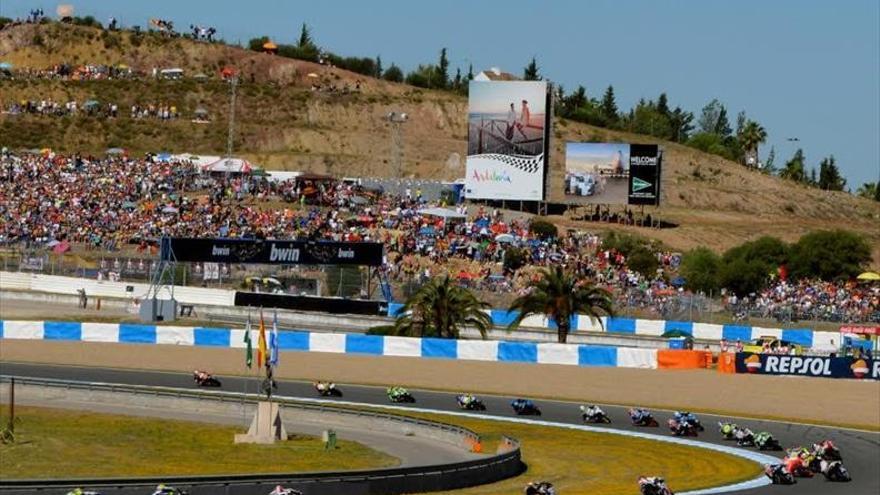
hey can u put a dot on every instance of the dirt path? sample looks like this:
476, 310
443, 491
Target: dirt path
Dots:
813, 399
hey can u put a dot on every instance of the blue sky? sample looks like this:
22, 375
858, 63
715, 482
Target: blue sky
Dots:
808, 69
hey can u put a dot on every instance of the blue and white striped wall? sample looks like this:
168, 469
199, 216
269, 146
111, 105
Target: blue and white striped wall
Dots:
638, 326
294, 341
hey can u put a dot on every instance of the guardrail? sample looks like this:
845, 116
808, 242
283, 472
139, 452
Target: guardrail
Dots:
505, 464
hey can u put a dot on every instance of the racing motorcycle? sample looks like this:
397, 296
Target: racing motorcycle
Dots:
327, 389
827, 450
779, 475
642, 417
690, 417
594, 414
744, 437
399, 395
653, 485
205, 379
539, 488
681, 428
798, 462
525, 407
169, 490
727, 430
280, 490
765, 441
834, 471
469, 402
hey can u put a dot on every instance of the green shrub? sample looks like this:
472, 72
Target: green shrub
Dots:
544, 229
700, 268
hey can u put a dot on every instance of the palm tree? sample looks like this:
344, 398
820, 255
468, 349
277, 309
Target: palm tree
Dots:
752, 136
441, 309
558, 295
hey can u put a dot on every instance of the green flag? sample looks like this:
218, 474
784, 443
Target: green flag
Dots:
249, 352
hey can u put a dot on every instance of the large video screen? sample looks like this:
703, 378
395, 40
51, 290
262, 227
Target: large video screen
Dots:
597, 173
506, 125
644, 182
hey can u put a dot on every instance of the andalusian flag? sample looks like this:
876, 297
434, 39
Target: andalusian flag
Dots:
273, 341
262, 351
249, 352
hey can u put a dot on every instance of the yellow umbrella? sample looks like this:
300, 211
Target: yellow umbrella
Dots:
869, 276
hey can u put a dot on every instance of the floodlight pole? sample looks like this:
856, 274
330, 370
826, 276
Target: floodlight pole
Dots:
231, 135
397, 119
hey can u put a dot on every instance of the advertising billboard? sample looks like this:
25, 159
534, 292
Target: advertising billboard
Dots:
271, 252
597, 173
644, 174
506, 140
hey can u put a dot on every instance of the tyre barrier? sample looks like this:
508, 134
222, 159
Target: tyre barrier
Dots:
506, 463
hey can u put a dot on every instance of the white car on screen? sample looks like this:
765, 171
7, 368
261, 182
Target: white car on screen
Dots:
580, 184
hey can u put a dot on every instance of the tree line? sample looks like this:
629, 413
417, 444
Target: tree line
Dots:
830, 255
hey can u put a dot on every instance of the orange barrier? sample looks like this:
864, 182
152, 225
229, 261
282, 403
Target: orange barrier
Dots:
679, 359
727, 362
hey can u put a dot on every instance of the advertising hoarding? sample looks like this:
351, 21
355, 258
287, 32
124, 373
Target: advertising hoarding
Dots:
644, 174
597, 173
815, 366
271, 252
506, 140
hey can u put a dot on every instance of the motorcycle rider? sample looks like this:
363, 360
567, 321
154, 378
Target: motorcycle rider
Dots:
827, 467
639, 415
592, 412
201, 376
465, 400
826, 450
797, 462
744, 436
728, 430
777, 473
324, 387
656, 483
539, 488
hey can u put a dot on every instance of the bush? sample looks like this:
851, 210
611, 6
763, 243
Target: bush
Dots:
514, 259
544, 229
627, 244
700, 268
643, 261
829, 255
744, 276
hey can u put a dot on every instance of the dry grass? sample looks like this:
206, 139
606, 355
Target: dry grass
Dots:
61, 443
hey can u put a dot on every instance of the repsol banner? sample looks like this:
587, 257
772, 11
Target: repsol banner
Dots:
644, 174
271, 252
818, 366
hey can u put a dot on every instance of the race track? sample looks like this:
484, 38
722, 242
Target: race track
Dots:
861, 450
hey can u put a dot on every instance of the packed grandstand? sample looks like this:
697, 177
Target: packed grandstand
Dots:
121, 205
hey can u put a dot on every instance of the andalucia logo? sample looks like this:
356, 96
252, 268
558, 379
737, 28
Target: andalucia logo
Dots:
639, 184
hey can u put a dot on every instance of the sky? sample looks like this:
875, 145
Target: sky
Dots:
805, 69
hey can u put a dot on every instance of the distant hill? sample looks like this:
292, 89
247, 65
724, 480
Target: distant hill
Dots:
282, 123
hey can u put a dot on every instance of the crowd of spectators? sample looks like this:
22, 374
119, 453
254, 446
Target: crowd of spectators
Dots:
107, 203
789, 301
91, 108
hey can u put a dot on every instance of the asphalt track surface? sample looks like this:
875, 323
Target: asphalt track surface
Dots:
860, 449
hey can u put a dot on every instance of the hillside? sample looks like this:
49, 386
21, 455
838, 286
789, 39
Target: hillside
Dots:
283, 124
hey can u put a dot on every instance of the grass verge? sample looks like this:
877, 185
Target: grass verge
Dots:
56, 443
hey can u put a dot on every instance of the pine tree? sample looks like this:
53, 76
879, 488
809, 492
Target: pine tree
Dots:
305, 37
456, 84
829, 175
769, 167
443, 70
609, 106
470, 74
530, 73
378, 66
663, 105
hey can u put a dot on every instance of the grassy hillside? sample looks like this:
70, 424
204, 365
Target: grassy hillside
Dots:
283, 124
